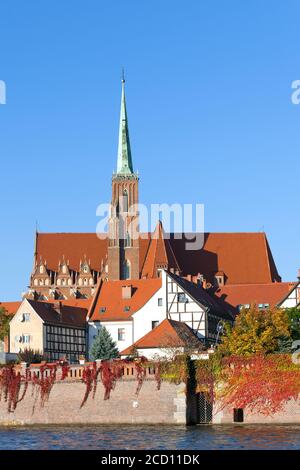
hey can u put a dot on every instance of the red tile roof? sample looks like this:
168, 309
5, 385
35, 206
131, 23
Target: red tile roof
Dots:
109, 296
271, 293
168, 334
245, 258
10, 307
159, 254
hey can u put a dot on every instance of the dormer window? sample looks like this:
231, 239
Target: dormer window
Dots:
102, 309
220, 279
126, 308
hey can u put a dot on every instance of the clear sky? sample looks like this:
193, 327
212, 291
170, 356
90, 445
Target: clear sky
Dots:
210, 115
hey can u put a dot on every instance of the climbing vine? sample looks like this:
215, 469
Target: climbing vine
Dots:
260, 383
11, 383
14, 385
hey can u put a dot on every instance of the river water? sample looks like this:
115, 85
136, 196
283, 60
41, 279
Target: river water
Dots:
152, 437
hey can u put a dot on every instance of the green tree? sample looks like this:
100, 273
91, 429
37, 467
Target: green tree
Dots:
4, 323
256, 331
104, 347
294, 321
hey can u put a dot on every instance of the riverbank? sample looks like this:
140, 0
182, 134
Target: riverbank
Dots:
132, 437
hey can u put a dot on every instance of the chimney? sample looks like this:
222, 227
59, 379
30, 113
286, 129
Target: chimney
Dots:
58, 308
127, 292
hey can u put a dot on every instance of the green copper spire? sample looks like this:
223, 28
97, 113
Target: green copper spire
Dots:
124, 152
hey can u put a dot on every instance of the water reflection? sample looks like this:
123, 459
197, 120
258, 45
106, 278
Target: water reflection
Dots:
152, 437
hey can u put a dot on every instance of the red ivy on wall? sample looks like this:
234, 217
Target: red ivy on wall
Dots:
259, 383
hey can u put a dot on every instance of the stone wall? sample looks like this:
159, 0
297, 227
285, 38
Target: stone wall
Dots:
152, 406
289, 415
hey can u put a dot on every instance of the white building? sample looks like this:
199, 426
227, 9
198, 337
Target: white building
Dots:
130, 309
55, 330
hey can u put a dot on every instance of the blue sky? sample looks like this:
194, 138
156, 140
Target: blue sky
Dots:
210, 116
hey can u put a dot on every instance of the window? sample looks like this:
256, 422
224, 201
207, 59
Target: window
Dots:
125, 201
121, 334
182, 298
263, 306
26, 339
126, 308
159, 301
26, 316
102, 309
127, 240
155, 323
126, 270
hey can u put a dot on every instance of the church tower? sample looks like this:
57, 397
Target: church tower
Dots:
123, 227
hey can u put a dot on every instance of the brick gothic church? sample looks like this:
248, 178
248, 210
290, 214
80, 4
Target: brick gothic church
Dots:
71, 265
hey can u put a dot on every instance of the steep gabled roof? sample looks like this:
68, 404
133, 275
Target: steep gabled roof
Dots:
245, 258
168, 334
109, 304
271, 293
159, 254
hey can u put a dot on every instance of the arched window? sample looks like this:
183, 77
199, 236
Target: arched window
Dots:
127, 240
126, 270
41, 269
125, 201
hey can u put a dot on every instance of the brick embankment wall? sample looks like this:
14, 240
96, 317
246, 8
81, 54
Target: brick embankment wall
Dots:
167, 405
289, 415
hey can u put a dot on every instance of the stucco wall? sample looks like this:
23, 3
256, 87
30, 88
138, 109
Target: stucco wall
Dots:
112, 327
167, 405
33, 327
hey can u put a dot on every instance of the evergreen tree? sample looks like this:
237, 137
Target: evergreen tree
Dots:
104, 347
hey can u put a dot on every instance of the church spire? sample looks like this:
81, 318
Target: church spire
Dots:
124, 152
